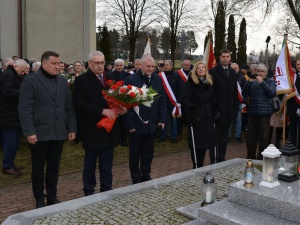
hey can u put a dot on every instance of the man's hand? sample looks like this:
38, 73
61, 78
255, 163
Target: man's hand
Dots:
109, 113
32, 139
162, 125
132, 130
72, 136
259, 79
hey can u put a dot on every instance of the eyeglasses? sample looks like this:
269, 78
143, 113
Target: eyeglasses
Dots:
99, 63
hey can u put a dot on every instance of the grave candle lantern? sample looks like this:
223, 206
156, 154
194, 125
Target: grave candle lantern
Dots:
288, 163
208, 190
249, 174
270, 167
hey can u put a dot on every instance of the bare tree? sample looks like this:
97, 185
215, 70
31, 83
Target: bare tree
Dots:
176, 14
132, 15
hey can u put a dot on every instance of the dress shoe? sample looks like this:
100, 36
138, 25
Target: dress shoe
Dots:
174, 140
12, 172
40, 203
238, 140
18, 167
52, 201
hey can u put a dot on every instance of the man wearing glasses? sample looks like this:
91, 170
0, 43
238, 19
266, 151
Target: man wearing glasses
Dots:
97, 143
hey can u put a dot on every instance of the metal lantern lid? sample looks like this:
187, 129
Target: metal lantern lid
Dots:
271, 152
289, 149
208, 178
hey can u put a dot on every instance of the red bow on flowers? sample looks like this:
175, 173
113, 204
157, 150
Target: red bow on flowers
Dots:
117, 106
120, 97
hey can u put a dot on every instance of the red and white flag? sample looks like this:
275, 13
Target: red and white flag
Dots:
208, 56
285, 76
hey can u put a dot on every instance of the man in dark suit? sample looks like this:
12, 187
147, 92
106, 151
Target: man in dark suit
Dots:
97, 143
47, 118
293, 110
226, 93
142, 128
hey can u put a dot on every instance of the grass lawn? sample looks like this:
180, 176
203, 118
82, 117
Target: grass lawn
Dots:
72, 158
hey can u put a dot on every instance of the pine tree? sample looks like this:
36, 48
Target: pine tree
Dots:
231, 45
219, 29
105, 45
242, 47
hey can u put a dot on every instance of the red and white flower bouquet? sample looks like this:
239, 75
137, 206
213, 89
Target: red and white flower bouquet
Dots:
121, 97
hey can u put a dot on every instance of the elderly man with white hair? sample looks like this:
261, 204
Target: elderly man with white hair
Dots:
36, 66
261, 90
5, 63
10, 83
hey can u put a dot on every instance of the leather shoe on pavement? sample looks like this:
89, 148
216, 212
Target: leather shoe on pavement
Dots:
18, 167
52, 201
12, 172
40, 203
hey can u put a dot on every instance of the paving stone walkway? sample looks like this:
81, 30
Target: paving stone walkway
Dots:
16, 199
153, 206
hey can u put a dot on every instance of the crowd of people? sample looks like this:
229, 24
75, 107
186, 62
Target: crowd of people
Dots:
48, 102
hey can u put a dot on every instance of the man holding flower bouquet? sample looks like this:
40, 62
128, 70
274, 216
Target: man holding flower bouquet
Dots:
97, 143
142, 124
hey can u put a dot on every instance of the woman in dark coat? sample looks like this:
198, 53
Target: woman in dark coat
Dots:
199, 101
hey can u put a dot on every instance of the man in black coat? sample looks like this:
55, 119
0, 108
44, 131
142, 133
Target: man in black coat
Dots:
225, 92
173, 98
293, 111
10, 83
97, 143
48, 118
142, 128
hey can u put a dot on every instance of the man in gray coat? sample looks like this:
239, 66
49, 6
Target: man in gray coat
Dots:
47, 118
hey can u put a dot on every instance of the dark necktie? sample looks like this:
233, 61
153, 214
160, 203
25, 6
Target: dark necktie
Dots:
101, 79
226, 71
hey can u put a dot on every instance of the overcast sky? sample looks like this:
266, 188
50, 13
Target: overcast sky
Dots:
257, 31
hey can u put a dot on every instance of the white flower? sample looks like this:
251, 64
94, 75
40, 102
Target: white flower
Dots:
147, 103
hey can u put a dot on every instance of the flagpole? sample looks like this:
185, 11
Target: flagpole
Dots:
283, 125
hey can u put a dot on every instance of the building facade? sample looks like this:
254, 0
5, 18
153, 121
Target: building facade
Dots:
30, 27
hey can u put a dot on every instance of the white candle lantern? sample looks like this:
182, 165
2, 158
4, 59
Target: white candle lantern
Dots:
288, 163
270, 167
208, 190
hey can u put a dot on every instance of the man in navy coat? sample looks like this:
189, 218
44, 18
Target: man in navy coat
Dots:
142, 128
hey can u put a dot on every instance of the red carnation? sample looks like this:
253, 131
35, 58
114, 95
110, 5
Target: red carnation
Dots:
141, 91
114, 87
129, 87
109, 82
122, 90
132, 94
120, 83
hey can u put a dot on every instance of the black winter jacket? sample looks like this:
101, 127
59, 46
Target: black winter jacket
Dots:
10, 83
261, 97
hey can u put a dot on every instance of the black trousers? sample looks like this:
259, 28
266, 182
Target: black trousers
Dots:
222, 137
141, 147
105, 159
45, 152
258, 132
200, 155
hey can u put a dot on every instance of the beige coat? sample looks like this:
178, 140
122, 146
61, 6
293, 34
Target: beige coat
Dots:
275, 120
